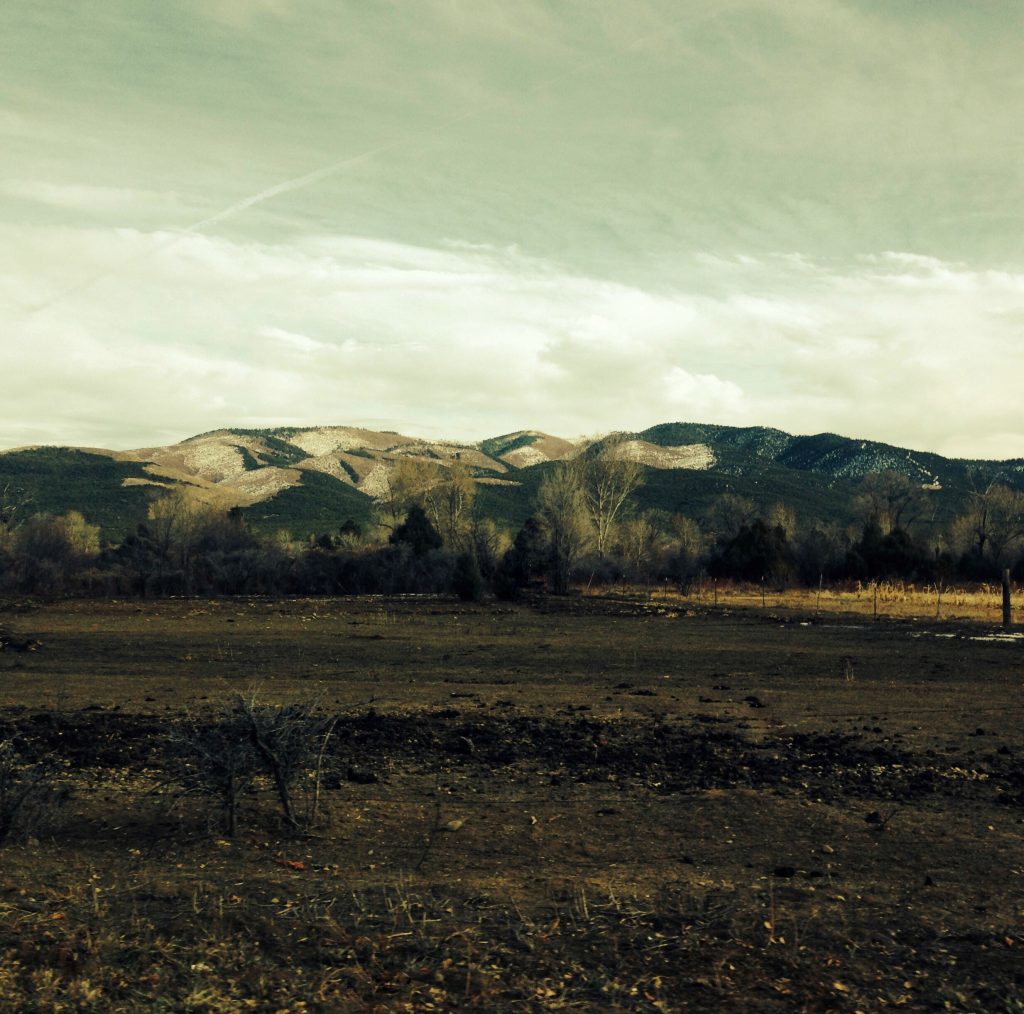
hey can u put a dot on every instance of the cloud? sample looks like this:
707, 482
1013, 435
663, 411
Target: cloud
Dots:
482, 215
702, 395
474, 339
291, 341
89, 198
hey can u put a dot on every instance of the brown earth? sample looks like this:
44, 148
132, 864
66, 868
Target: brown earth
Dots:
656, 806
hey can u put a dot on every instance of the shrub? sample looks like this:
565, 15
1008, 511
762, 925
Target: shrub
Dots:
221, 758
29, 795
756, 552
466, 580
417, 532
522, 563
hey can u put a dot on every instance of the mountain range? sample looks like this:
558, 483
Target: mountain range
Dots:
314, 478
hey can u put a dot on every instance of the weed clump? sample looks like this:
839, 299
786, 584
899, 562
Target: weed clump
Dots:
30, 794
224, 756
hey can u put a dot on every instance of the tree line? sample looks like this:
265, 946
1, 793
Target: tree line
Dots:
428, 536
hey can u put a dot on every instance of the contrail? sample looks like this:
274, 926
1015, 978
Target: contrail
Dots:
285, 187
314, 176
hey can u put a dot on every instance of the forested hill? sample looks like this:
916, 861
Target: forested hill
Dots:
311, 479
743, 449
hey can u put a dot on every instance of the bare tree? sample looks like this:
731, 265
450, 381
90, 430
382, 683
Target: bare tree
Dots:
488, 541
48, 550
607, 480
14, 502
783, 516
406, 484
992, 524
449, 501
689, 536
170, 522
638, 543
562, 510
729, 513
891, 499
83, 538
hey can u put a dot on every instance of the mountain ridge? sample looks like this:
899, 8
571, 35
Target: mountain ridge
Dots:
304, 475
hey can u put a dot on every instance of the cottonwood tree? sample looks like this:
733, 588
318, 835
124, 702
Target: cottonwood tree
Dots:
688, 549
169, 524
728, 514
562, 510
638, 543
892, 499
688, 535
607, 480
488, 542
180, 529
48, 549
783, 516
66, 539
993, 523
406, 484
14, 503
449, 502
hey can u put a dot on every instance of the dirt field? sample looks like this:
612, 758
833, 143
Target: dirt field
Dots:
656, 805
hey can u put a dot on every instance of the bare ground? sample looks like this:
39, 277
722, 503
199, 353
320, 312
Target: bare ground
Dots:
656, 806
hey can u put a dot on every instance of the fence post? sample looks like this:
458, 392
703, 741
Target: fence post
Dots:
1006, 597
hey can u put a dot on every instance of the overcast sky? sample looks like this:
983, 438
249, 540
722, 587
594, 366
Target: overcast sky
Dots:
464, 217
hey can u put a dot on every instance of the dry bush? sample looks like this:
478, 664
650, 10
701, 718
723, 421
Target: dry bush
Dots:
222, 757
29, 794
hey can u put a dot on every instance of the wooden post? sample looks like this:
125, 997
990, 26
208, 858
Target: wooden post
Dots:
938, 599
817, 601
762, 591
874, 601
1006, 597
716, 592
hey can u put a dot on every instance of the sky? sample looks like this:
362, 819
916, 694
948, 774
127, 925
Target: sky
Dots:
460, 218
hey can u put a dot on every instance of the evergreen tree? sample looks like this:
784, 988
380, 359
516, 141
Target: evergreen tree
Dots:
416, 532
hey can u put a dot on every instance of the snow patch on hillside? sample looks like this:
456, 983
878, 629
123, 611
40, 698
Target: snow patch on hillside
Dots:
263, 483
215, 458
694, 456
523, 457
375, 483
329, 464
334, 439
319, 442
133, 480
212, 458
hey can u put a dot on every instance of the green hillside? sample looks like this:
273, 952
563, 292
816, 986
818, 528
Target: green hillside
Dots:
510, 506
59, 479
496, 446
321, 503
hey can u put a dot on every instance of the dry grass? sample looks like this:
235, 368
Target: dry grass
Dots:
893, 599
